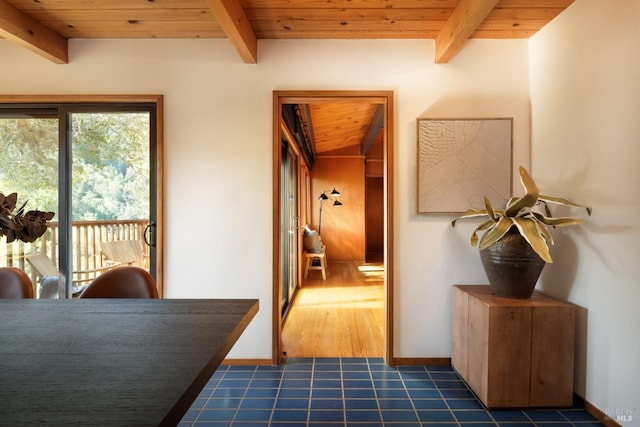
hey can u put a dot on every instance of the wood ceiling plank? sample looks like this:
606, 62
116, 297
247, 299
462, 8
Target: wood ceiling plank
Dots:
340, 125
133, 26
123, 15
464, 20
521, 14
504, 34
106, 4
146, 35
234, 22
20, 28
309, 14
364, 26
345, 35
349, 4
530, 4
104, 30
529, 25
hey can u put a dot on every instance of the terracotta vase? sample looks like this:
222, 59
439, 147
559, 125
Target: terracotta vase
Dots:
512, 266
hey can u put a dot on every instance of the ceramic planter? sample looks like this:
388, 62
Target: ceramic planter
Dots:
512, 266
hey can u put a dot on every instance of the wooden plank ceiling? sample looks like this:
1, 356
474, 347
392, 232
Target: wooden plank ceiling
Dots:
345, 127
45, 26
340, 128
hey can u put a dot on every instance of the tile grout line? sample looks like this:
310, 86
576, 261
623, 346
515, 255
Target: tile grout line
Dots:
344, 403
234, 386
244, 394
443, 398
275, 398
313, 375
373, 385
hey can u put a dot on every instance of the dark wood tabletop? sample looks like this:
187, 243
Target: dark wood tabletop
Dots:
115, 362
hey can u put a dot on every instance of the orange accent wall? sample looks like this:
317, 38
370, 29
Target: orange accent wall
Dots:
343, 227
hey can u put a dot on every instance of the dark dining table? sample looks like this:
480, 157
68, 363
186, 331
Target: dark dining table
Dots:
112, 362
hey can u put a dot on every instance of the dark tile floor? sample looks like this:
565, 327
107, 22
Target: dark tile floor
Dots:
355, 392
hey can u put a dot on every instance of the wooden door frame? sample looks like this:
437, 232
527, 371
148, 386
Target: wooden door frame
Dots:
301, 96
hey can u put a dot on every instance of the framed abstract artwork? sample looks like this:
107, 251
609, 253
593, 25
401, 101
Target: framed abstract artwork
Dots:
460, 161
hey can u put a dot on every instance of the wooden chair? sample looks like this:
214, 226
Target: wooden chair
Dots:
124, 252
50, 276
14, 283
122, 282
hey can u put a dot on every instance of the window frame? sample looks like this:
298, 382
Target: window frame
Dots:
63, 106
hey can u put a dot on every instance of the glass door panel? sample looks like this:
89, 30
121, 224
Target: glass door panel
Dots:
110, 191
289, 228
293, 222
29, 167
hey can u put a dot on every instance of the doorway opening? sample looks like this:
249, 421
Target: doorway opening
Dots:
354, 237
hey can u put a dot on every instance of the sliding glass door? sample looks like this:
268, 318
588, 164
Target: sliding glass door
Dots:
290, 227
29, 143
95, 167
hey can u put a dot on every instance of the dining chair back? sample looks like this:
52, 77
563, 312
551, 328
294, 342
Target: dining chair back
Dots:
122, 282
14, 283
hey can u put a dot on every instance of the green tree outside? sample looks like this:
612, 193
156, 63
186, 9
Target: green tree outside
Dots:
110, 168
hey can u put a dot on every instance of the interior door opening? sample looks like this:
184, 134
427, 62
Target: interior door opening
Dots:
370, 230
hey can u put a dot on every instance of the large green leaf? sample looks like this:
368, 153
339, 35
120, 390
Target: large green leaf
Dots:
511, 202
563, 201
489, 208
557, 222
470, 213
496, 232
530, 198
481, 227
542, 229
529, 230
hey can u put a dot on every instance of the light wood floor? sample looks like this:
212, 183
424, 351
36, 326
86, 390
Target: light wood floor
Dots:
338, 317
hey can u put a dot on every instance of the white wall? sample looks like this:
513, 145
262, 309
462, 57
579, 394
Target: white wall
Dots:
218, 154
585, 105
585, 96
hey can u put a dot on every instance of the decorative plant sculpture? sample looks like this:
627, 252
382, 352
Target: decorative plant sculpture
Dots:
26, 227
530, 215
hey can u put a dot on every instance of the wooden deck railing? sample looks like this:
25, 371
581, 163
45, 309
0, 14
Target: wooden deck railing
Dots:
86, 238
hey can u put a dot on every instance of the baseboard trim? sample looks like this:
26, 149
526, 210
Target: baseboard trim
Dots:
420, 361
396, 361
598, 414
248, 362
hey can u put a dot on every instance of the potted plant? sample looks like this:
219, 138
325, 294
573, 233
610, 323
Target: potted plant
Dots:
515, 245
19, 225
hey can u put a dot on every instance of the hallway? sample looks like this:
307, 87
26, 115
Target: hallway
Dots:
338, 317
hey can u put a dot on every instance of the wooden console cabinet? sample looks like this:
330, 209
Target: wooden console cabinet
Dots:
513, 352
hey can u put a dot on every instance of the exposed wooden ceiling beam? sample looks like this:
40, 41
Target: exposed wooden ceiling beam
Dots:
377, 121
306, 117
236, 25
462, 22
27, 32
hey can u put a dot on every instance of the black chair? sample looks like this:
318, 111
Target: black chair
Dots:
122, 282
14, 283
